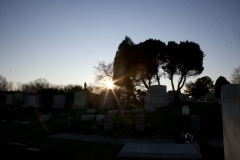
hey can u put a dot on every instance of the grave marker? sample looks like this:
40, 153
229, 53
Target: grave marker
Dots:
59, 101
106, 99
156, 96
195, 121
108, 122
185, 110
80, 100
231, 120
10, 100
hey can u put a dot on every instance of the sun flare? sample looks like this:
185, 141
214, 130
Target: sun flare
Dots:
110, 84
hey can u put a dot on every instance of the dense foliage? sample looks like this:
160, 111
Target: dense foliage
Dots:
200, 87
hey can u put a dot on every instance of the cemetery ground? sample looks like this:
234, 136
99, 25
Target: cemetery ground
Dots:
166, 122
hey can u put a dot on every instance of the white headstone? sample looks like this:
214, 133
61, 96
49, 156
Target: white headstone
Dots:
18, 97
170, 96
106, 99
210, 97
10, 100
100, 118
80, 100
231, 120
31, 101
156, 96
89, 117
112, 112
38, 99
59, 101
91, 110
185, 110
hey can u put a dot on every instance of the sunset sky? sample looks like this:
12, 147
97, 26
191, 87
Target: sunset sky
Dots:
62, 41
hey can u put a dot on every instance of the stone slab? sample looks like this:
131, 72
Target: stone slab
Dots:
87, 117
33, 149
25, 122
100, 118
91, 110
111, 112
161, 151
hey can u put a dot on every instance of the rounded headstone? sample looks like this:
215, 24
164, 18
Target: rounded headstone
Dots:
156, 96
106, 99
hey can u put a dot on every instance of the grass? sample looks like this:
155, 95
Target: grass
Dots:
164, 122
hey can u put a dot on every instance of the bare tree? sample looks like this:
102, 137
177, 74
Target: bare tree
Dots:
103, 72
39, 84
235, 76
10, 85
93, 88
3, 83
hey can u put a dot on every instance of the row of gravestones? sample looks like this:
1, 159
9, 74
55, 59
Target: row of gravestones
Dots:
156, 97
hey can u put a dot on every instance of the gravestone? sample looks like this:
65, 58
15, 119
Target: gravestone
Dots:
156, 96
170, 96
31, 101
69, 121
59, 101
140, 119
195, 122
46, 118
91, 111
160, 151
185, 110
18, 97
100, 118
112, 112
231, 120
108, 122
106, 99
88, 117
38, 99
80, 100
10, 100
210, 97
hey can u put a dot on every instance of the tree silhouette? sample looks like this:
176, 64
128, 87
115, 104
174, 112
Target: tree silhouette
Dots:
147, 58
218, 84
122, 76
183, 60
200, 87
235, 76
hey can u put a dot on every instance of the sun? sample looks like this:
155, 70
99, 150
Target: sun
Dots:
110, 84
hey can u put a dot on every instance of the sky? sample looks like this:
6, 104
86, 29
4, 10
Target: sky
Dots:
62, 41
